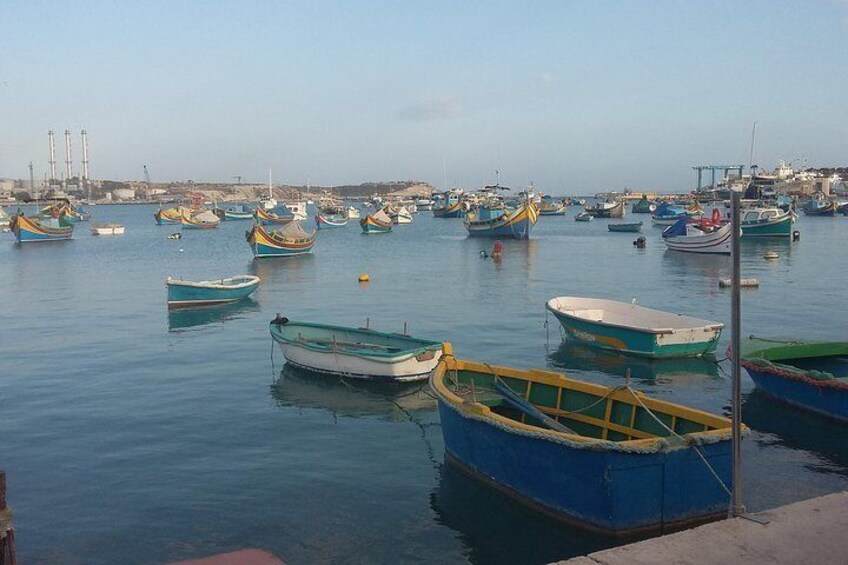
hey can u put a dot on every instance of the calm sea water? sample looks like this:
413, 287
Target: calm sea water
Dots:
133, 436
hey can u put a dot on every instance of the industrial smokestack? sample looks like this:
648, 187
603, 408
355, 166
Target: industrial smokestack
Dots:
68, 162
84, 155
52, 160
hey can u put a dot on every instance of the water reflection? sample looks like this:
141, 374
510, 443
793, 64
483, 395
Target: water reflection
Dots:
185, 318
796, 429
348, 397
289, 269
574, 356
683, 265
496, 529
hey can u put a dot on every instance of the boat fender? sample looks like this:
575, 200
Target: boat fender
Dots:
796, 235
483, 254
640, 242
280, 320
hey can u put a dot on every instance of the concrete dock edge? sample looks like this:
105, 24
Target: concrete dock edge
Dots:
811, 531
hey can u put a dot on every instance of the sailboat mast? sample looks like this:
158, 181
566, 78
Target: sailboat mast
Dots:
270, 189
751, 154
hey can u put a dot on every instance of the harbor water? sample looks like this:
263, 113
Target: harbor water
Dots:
131, 435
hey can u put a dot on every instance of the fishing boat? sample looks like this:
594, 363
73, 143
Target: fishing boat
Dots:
238, 212
584, 216
167, 216
548, 207
401, 216
424, 204
766, 221
578, 201
378, 222
4, 220
107, 229
607, 459
278, 215
630, 227
497, 221
297, 210
65, 208
606, 209
183, 293
701, 237
353, 213
289, 240
203, 220
29, 230
324, 221
628, 328
668, 213
449, 204
643, 206
812, 375
358, 353
820, 206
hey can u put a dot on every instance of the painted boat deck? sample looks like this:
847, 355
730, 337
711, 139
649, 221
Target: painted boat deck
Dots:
811, 531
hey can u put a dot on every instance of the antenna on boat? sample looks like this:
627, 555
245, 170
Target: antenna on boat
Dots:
736, 507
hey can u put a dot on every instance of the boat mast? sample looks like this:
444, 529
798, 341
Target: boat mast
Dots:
270, 190
751, 154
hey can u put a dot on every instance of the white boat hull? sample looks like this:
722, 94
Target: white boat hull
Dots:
406, 368
717, 242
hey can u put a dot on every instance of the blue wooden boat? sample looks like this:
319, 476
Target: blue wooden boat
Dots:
289, 240
820, 206
183, 294
198, 220
628, 328
611, 460
378, 222
29, 230
239, 212
485, 221
449, 205
668, 213
630, 227
278, 215
812, 375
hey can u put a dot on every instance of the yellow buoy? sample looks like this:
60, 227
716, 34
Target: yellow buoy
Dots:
364, 277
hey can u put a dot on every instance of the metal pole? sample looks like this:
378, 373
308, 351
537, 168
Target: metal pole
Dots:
736, 507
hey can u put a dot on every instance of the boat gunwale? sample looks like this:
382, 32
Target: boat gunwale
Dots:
774, 366
213, 284
422, 345
709, 325
481, 412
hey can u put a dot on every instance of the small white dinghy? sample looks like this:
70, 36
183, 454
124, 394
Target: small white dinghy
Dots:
107, 229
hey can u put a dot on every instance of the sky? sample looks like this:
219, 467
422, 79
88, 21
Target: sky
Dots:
576, 97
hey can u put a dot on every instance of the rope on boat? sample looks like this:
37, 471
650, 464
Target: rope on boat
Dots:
694, 447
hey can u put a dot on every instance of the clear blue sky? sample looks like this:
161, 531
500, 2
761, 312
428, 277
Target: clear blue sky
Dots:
575, 96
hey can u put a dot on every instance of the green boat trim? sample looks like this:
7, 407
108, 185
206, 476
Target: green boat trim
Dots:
777, 354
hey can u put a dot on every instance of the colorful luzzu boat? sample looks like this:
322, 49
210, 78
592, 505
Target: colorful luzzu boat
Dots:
287, 241
184, 294
611, 460
449, 205
276, 216
378, 222
71, 214
330, 220
29, 230
812, 375
167, 216
628, 328
205, 220
495, 222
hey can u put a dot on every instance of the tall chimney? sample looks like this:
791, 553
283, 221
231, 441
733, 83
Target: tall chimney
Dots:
52, 160
84, 155
69, 172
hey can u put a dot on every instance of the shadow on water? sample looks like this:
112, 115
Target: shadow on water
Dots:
796, 429
495, 529
347, 397
186, 318
574, 356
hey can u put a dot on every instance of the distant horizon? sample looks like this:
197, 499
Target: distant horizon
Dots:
574, 97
